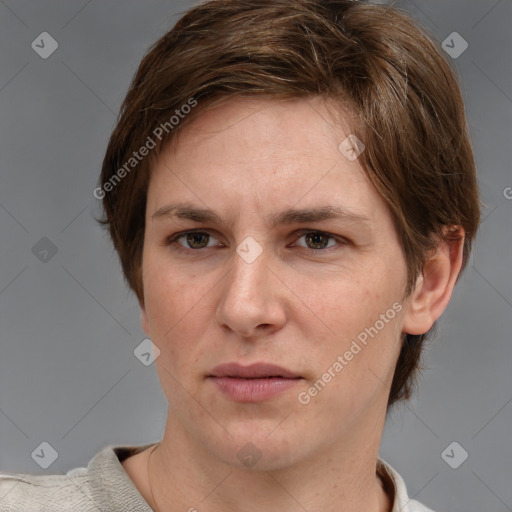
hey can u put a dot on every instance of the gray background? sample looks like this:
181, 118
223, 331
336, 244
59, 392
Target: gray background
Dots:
68, 326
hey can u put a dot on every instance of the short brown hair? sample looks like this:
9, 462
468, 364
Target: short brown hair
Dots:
398, 85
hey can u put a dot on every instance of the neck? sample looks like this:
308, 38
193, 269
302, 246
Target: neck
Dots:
183, 476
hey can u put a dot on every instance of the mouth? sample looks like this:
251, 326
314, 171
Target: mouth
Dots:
254, 371
254, 383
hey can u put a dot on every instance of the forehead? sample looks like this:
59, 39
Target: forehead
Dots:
281, 127
256, 153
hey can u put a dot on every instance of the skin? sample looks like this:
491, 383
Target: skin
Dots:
291, 306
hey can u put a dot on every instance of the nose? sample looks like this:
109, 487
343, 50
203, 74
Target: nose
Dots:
252, 299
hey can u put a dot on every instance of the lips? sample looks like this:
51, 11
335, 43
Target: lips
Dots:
254, 371
254, 383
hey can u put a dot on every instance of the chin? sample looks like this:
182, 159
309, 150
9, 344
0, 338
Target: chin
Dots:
258, 449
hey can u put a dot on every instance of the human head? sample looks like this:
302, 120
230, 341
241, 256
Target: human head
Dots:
402, 96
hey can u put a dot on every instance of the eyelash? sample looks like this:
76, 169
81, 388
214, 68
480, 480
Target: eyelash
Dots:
172, 241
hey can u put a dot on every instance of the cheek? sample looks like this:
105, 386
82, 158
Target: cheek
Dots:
353, 375
364, 317
350, 302
168, 293
178, 311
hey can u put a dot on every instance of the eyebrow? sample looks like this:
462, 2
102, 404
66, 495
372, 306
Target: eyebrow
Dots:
288, 216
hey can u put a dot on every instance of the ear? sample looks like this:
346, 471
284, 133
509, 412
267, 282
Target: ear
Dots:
434, 287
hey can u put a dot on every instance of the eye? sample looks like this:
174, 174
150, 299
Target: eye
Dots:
318, 240
193, 241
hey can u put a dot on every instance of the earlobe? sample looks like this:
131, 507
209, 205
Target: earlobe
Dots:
434, 286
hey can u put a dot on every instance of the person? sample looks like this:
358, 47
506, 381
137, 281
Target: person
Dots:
292, 193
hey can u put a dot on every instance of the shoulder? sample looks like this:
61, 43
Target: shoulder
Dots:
416, 506
102, 485
402, 502
45, 492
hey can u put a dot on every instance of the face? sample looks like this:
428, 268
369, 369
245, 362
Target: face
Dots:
299, 266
